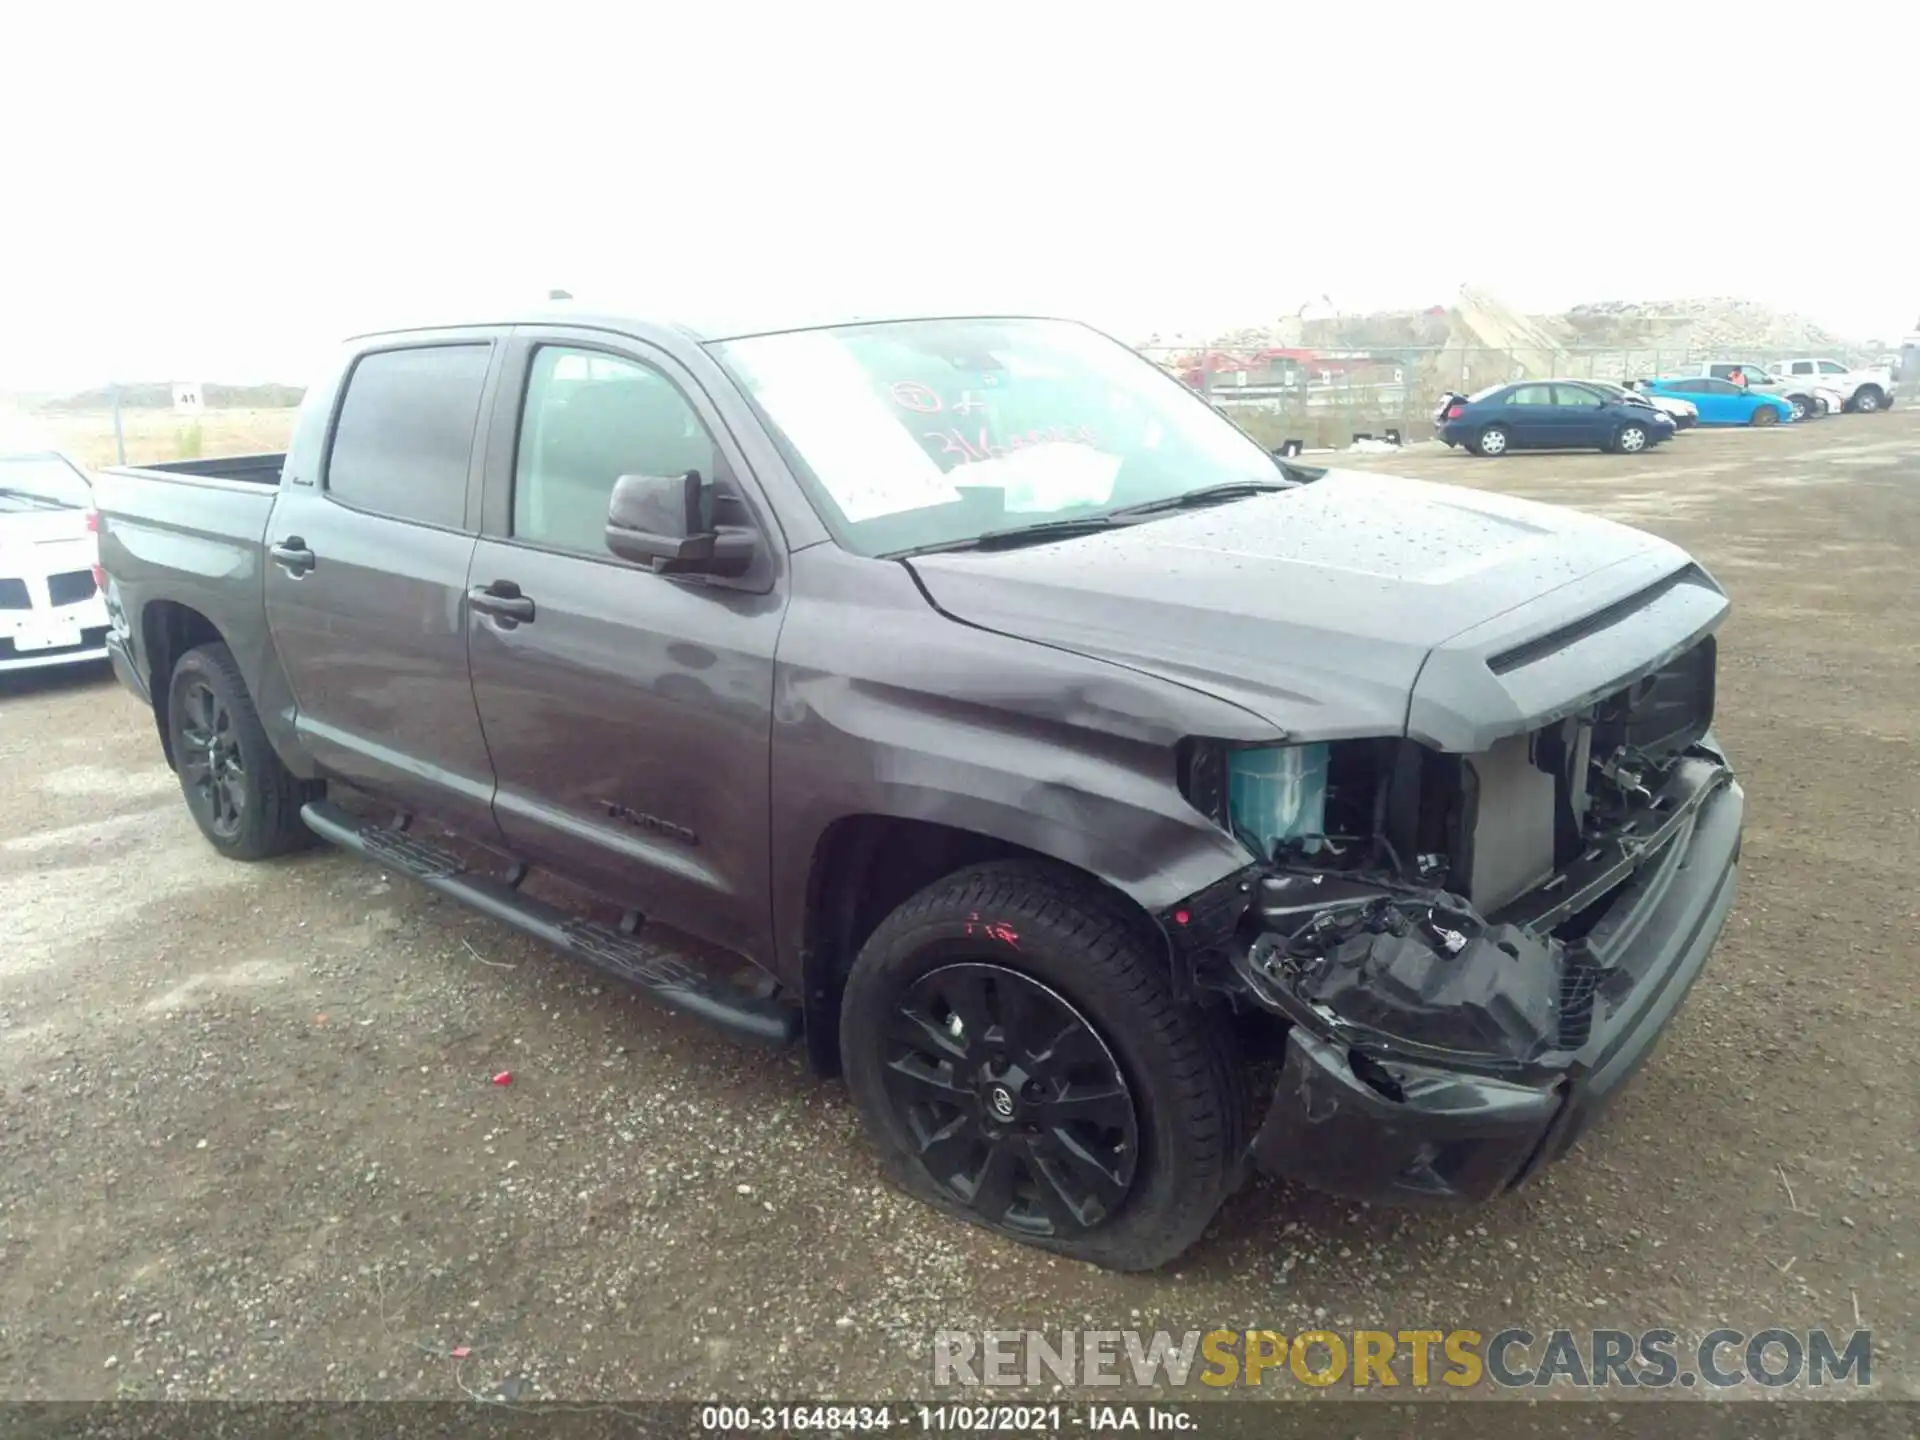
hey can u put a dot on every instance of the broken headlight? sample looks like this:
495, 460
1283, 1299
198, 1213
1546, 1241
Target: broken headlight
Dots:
1402, 964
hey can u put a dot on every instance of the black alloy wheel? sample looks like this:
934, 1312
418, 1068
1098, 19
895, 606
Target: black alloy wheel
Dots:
212, 769
238, 790
1020, 1060
1016, 1107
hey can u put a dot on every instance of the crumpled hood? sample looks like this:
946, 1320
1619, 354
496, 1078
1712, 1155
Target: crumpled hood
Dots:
1314, 608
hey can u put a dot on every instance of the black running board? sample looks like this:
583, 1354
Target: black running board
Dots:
676, 982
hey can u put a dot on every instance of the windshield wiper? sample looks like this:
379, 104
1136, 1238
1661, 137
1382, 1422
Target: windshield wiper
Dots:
1013, 536
1208, 495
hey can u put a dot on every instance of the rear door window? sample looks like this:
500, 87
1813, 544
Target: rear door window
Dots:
1532, 395
1577, 396
404, 440
1803, 367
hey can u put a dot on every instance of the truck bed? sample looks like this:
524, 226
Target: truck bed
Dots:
244, 469
190, 534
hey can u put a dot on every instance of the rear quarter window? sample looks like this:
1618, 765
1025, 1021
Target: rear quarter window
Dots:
404, 439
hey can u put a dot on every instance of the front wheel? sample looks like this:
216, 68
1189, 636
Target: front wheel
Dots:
1868, 399
1493, 440
244, 800
1019, 1059
1631, 439
1766, 415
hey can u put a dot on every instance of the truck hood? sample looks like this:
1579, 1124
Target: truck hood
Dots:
1318, 608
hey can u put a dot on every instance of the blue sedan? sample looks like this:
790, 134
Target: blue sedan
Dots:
1721, 402
1551, 415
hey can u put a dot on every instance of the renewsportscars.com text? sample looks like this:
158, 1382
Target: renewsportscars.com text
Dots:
1415, 1359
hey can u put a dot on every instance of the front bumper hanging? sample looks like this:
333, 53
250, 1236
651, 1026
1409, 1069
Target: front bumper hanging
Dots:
1372, 1121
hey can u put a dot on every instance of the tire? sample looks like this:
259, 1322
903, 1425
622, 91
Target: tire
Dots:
1631, 439
1867, 399
1492, 441
243, 799
1070, 1004
1802, 407
1764, 415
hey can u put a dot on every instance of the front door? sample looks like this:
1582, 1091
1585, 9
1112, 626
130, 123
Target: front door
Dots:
1583, 418
628, 714
366, 578
1721, 402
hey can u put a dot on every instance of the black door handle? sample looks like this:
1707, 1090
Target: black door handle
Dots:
502, 600
292, 555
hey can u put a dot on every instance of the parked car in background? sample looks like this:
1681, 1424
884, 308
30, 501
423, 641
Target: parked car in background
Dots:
1684, 413
1050, 757
1862, 391
1721, 402
1551, 415
1804, 392
51, 608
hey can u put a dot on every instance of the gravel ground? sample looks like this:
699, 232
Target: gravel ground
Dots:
249, 1146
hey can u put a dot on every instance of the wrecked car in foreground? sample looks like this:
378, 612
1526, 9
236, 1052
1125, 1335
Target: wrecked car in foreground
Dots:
997, 718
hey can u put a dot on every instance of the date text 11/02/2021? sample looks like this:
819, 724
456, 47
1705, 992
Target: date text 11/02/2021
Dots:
945, 1418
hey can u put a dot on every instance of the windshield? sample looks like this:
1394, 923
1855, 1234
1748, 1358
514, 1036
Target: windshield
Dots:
38, 482
930, 432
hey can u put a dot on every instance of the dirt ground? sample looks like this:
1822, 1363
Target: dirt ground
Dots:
249, 1147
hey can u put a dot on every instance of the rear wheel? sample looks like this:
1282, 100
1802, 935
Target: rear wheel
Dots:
244, 800
1765, 415
1631, 439
1802, 407
1492, 440
1010, 1039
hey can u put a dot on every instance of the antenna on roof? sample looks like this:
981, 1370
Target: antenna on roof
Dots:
559, 295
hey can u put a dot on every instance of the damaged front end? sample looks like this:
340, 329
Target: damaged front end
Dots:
1463, 955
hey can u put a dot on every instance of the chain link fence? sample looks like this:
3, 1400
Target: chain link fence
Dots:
1326, 397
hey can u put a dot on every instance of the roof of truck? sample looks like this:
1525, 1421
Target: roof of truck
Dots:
707, 328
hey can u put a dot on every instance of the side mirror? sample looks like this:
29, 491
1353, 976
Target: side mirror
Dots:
666, 522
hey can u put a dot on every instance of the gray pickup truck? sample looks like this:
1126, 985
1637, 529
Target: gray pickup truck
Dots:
968, 700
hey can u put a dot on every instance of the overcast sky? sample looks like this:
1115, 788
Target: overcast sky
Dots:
199, 194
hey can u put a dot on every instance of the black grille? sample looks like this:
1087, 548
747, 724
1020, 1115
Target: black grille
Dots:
70, 587
1578, 984
13, 595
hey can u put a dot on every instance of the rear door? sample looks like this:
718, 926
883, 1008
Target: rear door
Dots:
629, 714
1533, 418
366, 579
